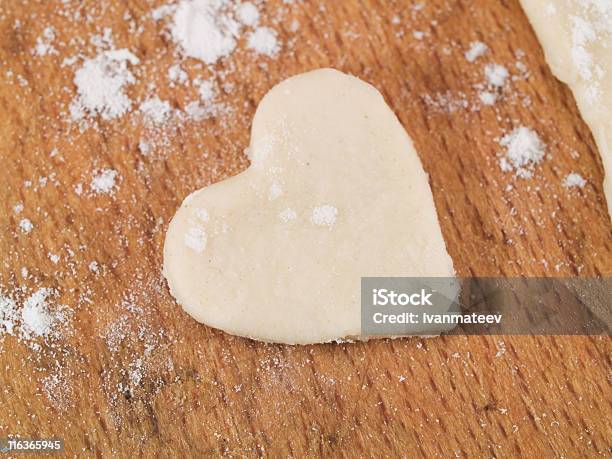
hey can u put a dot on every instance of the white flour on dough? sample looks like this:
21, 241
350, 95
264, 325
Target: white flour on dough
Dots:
351, 200
577, 39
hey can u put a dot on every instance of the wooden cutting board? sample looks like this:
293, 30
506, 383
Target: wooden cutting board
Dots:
131, 374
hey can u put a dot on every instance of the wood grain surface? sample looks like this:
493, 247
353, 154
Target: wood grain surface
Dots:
132, 375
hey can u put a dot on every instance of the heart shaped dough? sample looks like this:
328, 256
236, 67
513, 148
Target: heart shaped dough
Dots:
335, 191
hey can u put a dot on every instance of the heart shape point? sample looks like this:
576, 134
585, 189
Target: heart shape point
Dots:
335, 192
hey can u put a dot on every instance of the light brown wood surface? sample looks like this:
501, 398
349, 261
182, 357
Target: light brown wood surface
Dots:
135, 376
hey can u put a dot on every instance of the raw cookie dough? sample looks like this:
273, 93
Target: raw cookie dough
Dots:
335, 191
577, 39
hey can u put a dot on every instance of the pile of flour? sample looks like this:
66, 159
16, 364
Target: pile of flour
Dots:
209, 30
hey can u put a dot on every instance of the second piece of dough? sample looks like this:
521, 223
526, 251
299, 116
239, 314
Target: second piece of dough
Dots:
577, 39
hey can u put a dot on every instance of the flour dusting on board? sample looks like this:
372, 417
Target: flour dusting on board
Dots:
263, 40
8, 315
44, 44
248, 14
155, 110
204, 29
496, 75
101, 83
138, 349
524, 149
104, 182
208, 30
35, 317
26, 225
477, 49
574, 180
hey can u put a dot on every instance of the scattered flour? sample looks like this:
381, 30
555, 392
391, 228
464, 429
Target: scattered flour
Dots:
34, 319
209, 30
35, 316
138, 370
324, 215
206, 90
57, 389
155, 110
487, 97
135, 372
144, 146
263, 41
287, 215
501, 349
476, 50
195, 111
195, 239
101, 85
274, 192
574, 180
524, 149
447, 101
44, 45
177, 75
26, 225
202, 214
204, 29
104, 181
103, 40
161, 12
496, 75
198, 111
582, 34
248, 14
8, 315
593, 24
